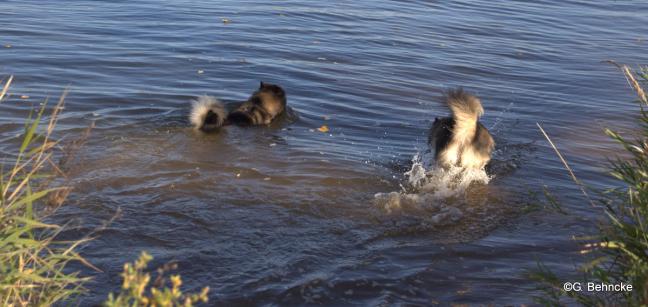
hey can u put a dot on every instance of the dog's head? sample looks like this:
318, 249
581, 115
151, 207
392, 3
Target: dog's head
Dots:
271, 98
262, 107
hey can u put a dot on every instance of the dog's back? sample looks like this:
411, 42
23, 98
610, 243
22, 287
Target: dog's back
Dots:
461, 139
269, 101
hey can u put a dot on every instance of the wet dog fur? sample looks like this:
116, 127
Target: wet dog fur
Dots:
461, 140
264, 105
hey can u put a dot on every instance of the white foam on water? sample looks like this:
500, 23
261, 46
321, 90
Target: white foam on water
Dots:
431, 190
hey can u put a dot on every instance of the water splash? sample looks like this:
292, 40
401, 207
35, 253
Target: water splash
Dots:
431, 191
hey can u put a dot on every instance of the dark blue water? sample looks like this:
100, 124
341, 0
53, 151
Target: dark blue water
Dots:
286, 214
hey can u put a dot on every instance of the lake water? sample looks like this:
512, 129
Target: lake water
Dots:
286, 214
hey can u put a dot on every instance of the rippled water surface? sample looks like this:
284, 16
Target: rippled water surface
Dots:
287, 214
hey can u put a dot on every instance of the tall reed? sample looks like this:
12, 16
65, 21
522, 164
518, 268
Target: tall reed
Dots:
620, 249
33, 261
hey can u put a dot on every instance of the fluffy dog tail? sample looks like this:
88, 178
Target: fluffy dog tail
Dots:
207, 113
466, 110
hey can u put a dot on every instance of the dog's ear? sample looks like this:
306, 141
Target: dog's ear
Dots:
261, 85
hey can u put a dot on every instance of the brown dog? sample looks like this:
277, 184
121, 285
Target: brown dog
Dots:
265, 104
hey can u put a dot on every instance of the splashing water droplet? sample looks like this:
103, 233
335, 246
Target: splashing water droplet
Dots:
428, 188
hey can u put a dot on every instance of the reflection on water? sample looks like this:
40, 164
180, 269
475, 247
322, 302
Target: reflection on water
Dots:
287, 214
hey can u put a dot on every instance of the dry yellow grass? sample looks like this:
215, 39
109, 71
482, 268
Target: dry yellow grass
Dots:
635, 85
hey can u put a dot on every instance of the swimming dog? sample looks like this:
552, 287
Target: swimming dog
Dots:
265, 104
461, 140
